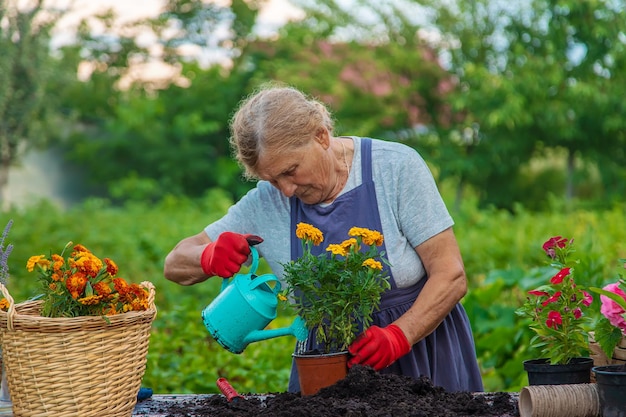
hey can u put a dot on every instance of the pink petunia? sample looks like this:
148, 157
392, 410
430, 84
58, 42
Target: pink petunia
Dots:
611, 310
554, 320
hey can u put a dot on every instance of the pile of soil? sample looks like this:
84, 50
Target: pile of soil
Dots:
363, 392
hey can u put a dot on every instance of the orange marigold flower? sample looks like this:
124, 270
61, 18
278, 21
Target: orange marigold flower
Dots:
80, 248
90, 300
57, 262
111, 266
121, 286
138, 291
305, 231
139, 304
37, 260
4, 304
89, 264
57, 276
76, 284
102, 288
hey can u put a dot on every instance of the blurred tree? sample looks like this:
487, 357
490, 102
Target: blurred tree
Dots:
25, 70
172, 139
535, 76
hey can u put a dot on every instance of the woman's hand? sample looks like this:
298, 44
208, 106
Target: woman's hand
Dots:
379, 347
225, 256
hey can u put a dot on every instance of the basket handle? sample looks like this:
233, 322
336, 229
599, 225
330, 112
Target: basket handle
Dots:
151, 293
11, 311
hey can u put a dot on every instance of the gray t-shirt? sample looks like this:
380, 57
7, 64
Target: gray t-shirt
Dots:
410, 206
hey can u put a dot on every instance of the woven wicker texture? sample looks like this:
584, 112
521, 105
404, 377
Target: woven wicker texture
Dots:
74, 367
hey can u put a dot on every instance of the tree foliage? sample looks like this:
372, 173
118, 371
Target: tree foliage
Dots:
25, 70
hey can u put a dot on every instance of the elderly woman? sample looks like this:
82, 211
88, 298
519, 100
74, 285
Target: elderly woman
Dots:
285, 140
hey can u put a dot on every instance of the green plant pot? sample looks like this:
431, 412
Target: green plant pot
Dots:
541, 372
611, 382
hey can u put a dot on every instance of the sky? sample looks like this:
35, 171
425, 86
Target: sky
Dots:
273, 14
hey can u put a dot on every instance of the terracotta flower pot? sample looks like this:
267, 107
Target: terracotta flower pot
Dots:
317, 371
541, 372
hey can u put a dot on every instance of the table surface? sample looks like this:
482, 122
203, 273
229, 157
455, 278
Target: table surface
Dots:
150, 406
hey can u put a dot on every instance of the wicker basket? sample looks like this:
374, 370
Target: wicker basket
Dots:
74, 367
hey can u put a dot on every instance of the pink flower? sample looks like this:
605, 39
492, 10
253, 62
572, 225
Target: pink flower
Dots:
554, 320
578, 313
588, 299
611, 310
558, 278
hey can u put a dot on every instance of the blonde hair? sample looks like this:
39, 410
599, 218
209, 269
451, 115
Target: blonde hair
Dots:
275, 119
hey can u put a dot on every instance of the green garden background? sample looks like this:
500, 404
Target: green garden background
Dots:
519, 111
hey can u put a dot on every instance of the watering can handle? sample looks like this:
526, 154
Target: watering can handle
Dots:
253, 267
261, 279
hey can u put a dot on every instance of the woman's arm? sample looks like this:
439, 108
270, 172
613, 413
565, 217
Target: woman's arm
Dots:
182, 264
446, 286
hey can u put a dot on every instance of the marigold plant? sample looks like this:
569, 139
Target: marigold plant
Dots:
335, 291
557, 309
78, 283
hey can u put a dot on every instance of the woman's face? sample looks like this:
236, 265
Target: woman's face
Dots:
306, 172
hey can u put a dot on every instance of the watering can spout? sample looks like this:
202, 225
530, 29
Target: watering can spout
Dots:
297, 329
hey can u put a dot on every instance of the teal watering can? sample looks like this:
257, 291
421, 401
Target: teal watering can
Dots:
244, 307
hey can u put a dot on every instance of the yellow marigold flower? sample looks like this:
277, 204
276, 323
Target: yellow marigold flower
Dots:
337, 249
350, 244
369, 237
371, 263
90, 300
111, 266
37, 260
305, 231
281, 297
4, 304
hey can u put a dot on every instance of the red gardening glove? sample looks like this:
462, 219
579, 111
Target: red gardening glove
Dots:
379, 347
225, 256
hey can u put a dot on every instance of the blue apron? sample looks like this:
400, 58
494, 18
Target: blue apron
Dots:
447, 356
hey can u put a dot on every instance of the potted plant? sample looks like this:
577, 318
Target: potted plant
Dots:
610, 334
88, 327
335, 291
557, 313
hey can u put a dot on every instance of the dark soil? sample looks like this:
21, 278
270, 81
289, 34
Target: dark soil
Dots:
363, 392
